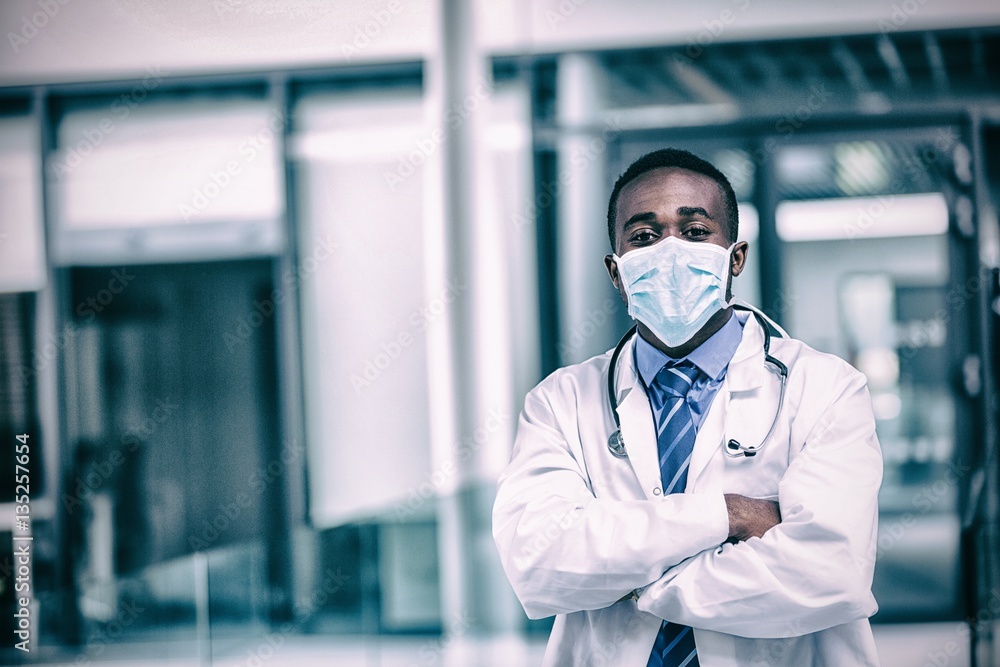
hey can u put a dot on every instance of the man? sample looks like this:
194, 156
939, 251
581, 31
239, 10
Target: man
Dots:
677, 549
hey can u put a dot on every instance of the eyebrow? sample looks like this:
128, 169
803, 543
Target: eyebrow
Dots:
637, 218
683, 211
688, 211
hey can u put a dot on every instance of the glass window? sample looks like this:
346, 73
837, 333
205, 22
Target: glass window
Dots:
361, 173
866, 277
168, 179
22, 238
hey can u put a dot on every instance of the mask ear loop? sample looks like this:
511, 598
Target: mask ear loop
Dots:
729, 275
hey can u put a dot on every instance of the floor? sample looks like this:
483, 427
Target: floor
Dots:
922, 645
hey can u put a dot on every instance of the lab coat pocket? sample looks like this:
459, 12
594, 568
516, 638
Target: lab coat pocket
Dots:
748, 421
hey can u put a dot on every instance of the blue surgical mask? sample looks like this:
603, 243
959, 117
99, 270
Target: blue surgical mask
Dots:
674, 287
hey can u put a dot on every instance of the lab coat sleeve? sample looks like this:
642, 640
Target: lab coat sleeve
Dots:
813, 570
565, 550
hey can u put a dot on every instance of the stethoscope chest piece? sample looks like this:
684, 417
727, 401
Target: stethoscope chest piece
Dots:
734, 448
617, 444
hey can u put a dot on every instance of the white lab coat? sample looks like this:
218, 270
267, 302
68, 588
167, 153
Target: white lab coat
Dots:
578, 528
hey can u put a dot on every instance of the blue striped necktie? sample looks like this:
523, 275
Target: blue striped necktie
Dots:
675, 435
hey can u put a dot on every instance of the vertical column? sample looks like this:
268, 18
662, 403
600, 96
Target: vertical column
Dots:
286, 501
986, 524
587, 301
469, 357
774, 301
52, 324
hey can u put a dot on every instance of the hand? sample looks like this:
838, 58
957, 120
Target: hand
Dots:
750, 517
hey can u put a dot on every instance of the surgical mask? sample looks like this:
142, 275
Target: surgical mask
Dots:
674, 287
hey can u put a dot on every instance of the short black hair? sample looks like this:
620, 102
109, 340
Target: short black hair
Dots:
681, 159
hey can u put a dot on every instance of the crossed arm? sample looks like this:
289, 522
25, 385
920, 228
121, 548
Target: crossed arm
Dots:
811, 571
790, 571
750, 517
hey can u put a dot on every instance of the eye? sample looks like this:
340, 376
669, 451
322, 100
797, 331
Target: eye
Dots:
642, 236
697, 232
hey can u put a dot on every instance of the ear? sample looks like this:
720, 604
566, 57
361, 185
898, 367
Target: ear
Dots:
612, 266
739, 258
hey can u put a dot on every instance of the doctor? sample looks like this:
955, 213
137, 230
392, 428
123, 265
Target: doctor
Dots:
675, 549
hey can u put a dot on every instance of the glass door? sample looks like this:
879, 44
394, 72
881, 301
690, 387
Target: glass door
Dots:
873, 271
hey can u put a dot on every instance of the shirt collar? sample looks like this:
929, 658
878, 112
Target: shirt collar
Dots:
711, 357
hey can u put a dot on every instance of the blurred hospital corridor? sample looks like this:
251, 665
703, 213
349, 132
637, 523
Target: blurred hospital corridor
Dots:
277, 275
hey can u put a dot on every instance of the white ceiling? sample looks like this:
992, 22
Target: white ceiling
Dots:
110, 39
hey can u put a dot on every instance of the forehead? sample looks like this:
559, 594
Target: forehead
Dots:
666, 189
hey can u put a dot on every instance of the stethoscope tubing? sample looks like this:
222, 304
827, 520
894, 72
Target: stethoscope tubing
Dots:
732, 448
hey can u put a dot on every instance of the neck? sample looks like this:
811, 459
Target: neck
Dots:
711, 327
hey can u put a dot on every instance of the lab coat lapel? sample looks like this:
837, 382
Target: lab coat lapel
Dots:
745, 372
637, 424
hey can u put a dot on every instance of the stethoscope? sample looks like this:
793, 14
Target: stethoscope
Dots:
733, 447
